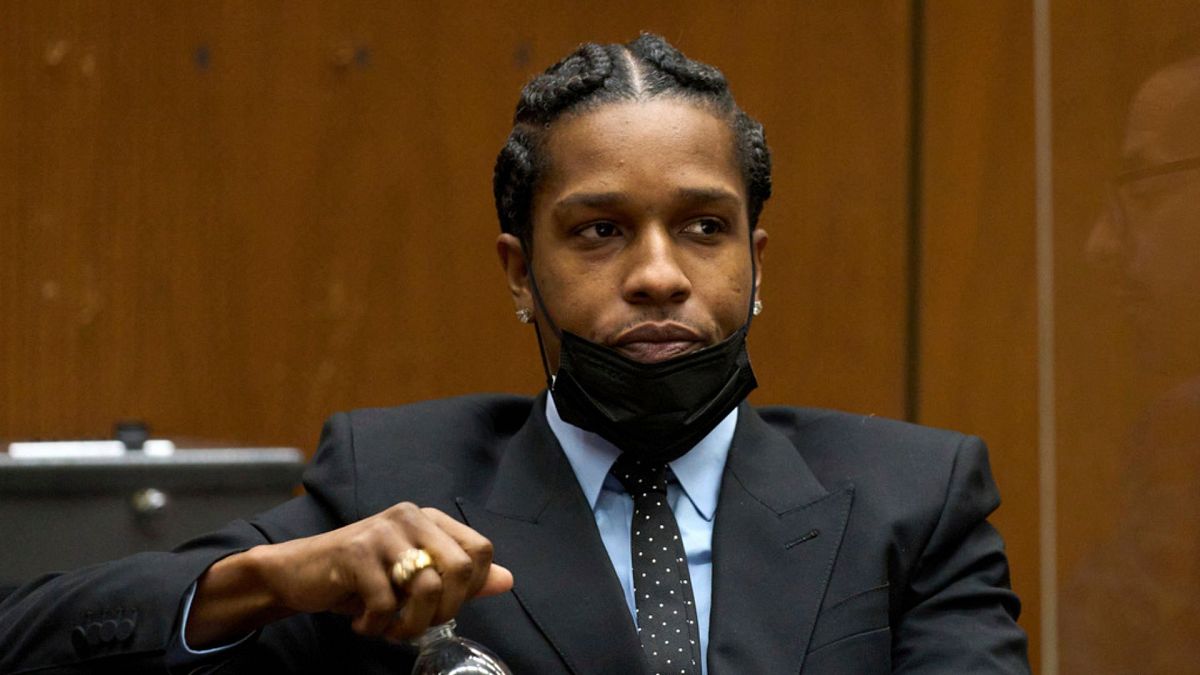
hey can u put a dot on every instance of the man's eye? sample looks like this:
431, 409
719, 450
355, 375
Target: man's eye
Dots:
601, 230
705, 227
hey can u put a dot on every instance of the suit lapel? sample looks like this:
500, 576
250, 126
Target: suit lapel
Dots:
543, 530
776, 534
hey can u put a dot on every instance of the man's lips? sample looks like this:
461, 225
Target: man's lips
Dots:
654, 342
653, 352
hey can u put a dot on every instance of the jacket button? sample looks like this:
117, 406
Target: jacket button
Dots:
124, 629
79, 640
108, 630
93, 633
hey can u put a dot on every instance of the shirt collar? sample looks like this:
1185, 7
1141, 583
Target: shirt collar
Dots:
698, 471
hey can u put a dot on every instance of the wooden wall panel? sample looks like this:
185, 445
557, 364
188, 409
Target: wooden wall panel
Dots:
231, 219
835, 102
1127, 435
1098, 394
1128, 364
978, 335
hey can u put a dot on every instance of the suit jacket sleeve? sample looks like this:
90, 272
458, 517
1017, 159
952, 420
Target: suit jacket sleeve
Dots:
959, 612
125, 614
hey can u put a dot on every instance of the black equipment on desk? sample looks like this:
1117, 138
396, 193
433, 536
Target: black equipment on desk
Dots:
64, 512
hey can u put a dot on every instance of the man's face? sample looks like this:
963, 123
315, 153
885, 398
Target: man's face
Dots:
640, 232
1150, 240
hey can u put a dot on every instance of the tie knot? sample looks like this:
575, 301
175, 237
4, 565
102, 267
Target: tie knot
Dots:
639, 476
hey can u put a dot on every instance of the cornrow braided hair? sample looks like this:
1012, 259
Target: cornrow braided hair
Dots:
594, 75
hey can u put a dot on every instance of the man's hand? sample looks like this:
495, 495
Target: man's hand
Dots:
348, 571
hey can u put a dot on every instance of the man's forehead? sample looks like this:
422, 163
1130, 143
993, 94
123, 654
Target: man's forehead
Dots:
627, 130
667, 145
1164, 119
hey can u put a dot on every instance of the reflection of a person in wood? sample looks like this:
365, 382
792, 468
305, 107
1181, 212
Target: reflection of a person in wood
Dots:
1134, 607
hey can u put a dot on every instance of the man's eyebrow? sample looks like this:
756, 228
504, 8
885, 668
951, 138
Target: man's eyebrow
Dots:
707, 195
589, 199
691, 195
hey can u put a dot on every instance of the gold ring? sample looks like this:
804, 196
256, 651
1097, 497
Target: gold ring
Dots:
410, 562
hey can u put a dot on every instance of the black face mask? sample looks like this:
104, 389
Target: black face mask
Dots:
657, 411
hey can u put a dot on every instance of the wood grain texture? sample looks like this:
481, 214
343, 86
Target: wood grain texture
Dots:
1129, 404
232, 219
1106, 385
978, 332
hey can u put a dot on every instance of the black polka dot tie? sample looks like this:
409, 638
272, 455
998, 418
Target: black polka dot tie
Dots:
662, 588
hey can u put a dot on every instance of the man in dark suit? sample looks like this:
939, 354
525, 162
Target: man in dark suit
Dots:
628, 195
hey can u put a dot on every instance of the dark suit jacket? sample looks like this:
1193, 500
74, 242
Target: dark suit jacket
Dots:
841, 544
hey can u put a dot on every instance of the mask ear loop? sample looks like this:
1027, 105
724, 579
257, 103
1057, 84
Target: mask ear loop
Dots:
537, 299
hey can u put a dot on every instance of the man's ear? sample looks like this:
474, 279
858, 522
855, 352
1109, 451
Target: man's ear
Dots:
760, 244
516, 270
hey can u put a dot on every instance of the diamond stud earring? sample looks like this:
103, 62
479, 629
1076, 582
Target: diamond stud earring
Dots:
757, 307
525, 315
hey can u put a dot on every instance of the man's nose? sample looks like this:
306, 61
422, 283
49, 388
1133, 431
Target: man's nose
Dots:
1107, 247
654, 274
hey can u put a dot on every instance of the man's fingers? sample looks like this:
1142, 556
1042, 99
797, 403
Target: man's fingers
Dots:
499, 580
462, 569
416, 615
476, 546
457, 572
378, 597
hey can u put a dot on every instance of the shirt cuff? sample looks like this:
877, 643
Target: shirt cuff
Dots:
183, 645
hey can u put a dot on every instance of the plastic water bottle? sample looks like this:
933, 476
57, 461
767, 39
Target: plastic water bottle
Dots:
444, 652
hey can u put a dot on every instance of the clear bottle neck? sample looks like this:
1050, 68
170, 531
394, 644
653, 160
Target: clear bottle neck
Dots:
435, 634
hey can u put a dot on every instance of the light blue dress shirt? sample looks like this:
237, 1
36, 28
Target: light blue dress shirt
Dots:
692, 495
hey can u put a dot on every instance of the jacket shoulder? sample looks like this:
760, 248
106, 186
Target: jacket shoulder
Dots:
427, 452
883, 457
447, 420
857, 432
